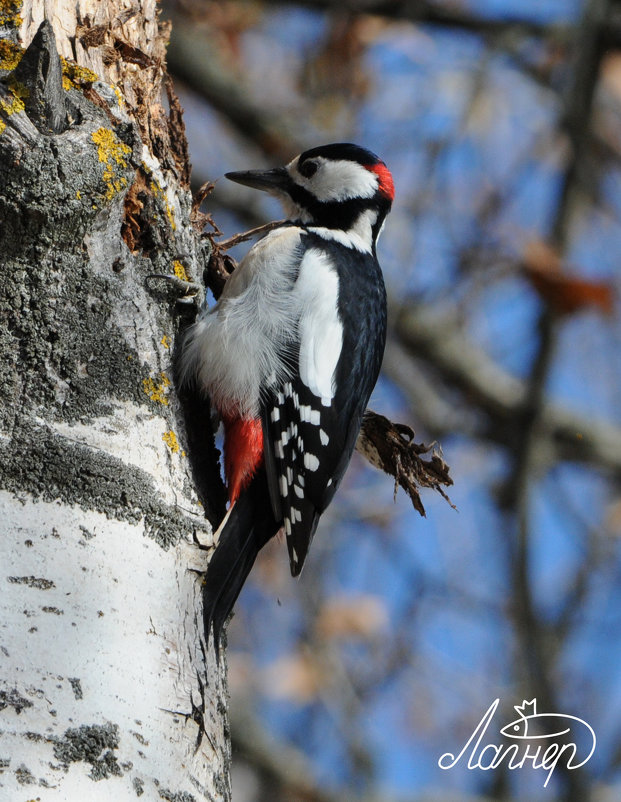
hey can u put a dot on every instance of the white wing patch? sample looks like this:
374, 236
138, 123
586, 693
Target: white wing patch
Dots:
320, 329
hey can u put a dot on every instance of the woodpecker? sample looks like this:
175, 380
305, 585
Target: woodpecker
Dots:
289, 356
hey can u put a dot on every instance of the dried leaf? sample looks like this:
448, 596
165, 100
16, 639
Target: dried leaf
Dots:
338, 66
611, 73
131, 54
391, 448
613, 518
200, 219
565, 294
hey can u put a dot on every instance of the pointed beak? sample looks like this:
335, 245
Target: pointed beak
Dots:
269, 180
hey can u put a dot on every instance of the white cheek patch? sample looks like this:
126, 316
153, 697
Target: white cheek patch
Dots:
337, 180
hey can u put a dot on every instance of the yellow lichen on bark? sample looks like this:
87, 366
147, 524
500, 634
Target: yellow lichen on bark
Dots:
74, 76
9, 12
157, 392
179, 270
170, 438
10, 54
111, 151
158, 192
12, 104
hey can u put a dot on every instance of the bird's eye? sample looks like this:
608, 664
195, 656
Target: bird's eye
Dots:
308, 169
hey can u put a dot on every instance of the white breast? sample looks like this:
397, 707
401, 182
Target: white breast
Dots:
236, 346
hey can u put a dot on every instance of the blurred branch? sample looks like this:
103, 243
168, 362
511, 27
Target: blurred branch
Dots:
422, 11
444, 347
195, 60
280, 764
539, 643
433, 406
285, 768
588, 51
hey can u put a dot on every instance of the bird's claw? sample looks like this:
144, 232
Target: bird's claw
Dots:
186, 293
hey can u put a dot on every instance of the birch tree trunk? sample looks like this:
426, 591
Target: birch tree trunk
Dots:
107, 691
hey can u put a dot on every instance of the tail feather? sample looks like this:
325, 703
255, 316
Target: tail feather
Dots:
246, 530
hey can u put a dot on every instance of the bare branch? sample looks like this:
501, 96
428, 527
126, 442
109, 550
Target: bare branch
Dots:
196, 63
422, 11
562, 434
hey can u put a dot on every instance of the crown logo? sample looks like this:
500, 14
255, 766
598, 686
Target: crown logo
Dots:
527, 709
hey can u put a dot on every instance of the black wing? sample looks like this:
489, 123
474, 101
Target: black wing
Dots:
309, 440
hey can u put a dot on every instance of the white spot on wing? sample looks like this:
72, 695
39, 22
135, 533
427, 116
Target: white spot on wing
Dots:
275, 414
323, 436
283, 486
311, 462
298, 491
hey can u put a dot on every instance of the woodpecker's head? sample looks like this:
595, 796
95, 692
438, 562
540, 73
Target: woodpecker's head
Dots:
340, 186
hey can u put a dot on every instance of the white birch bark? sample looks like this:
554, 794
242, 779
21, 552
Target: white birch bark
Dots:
107, 691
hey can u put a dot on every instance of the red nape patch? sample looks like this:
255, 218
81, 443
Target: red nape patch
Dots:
386, 185
243, 452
